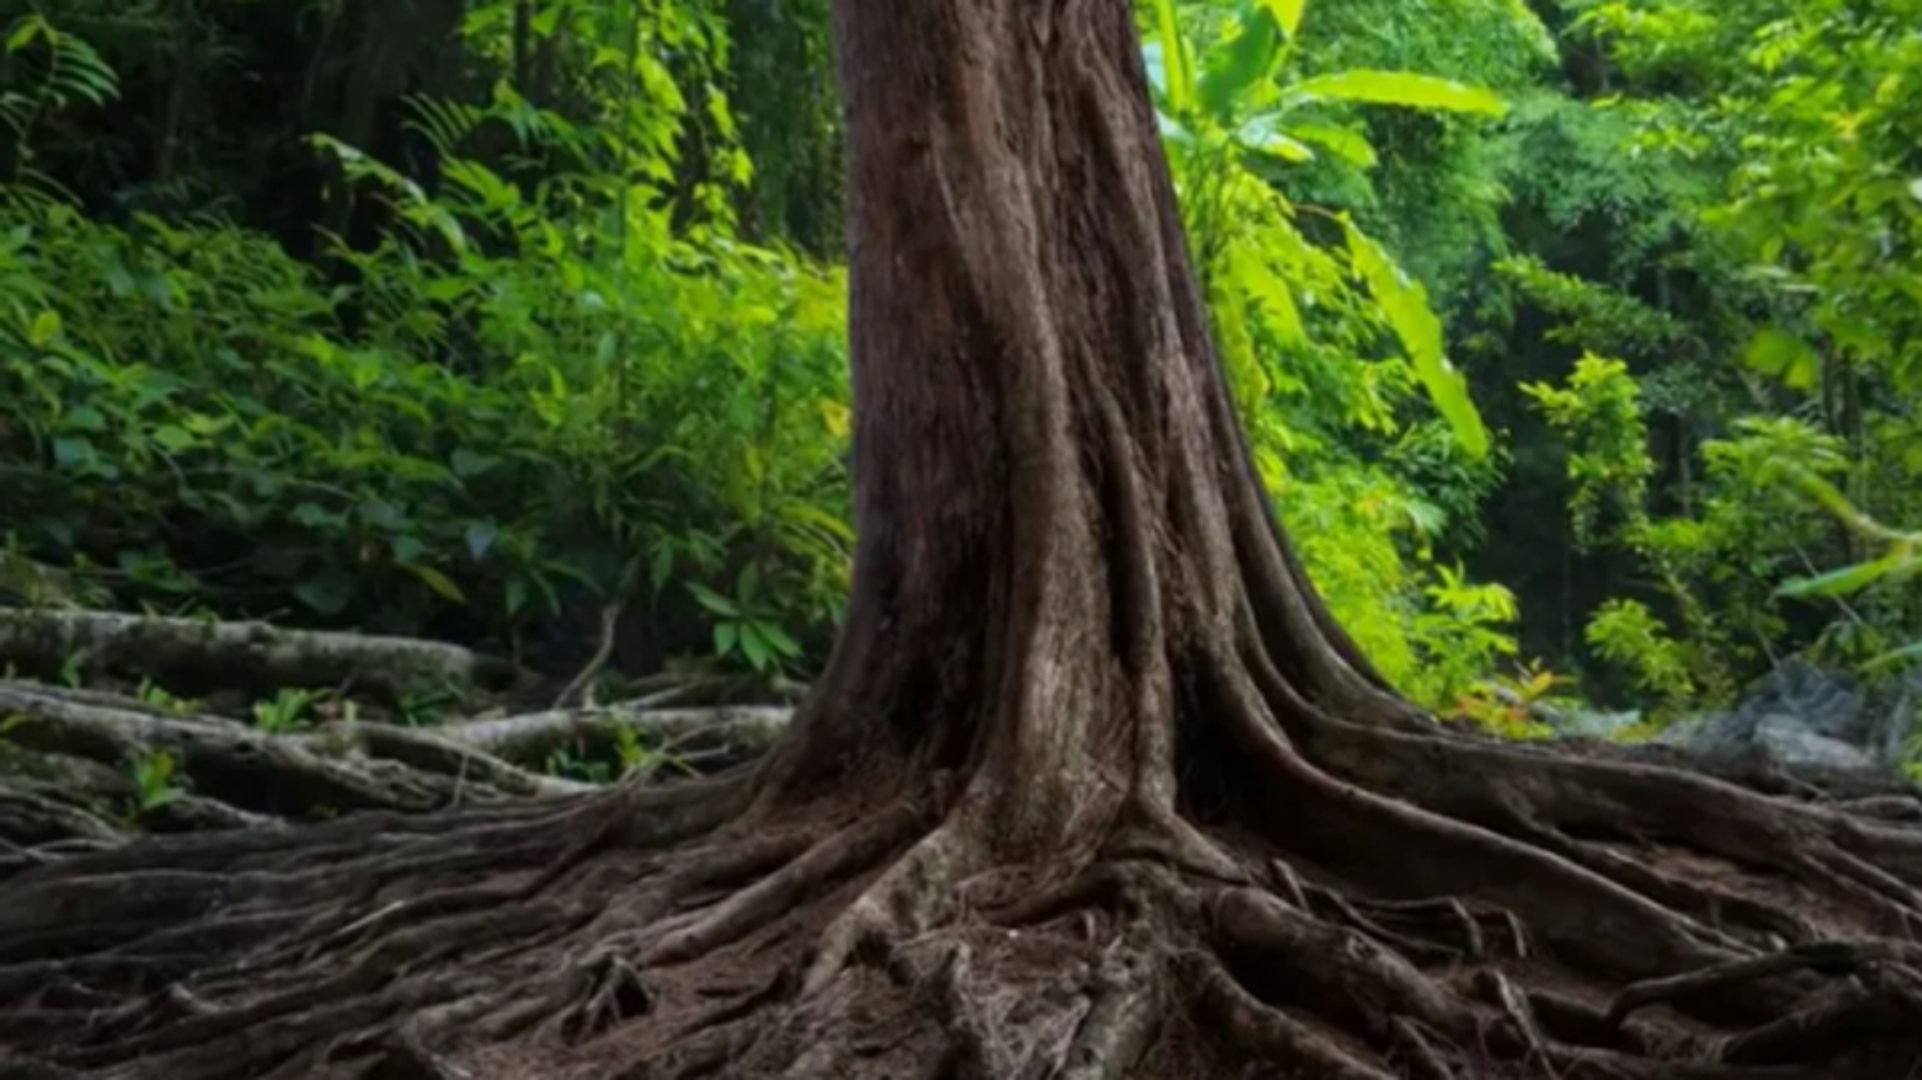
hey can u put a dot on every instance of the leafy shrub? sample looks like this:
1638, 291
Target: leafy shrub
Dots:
494, 402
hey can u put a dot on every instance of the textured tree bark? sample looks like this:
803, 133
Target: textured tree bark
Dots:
1093, 786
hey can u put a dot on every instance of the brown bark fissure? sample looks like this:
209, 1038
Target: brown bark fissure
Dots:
1093, 787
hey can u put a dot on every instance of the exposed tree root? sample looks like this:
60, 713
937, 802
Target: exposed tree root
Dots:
1524, 925
716, 736
248, 655
68, 761
226, 957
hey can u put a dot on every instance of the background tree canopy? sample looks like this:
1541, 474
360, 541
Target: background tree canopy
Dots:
1577, 341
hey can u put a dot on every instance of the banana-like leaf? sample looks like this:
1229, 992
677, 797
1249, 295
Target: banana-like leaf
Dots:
1405, 304
1400, 88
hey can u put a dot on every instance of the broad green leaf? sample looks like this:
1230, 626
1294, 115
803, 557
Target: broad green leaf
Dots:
1245, 60
173, 438
1405, 304
1401, 88
713, 601
1271, 293
1344, 143
725, 635
1784, 356
1292, 151
754, 646
1846, 580
782, 642
1263, 135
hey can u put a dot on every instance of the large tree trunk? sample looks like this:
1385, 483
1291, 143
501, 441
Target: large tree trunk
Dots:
1093, 786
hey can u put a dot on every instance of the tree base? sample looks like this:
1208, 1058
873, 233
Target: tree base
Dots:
675, 936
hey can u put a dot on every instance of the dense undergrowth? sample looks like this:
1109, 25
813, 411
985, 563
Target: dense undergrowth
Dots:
1582, 331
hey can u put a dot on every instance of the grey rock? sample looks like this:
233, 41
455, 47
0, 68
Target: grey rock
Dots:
1830, 703
1803, 714
1788, 739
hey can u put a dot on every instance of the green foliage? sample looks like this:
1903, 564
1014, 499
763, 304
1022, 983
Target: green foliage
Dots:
1600, 413
49, 70
1507, 704
1598, 312
153, 782
285, 711
1626, 632
522, 388
1769, 148
158, 697
1331, 348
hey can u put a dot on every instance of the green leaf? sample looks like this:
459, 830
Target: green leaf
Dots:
24, 31
442, 585
725, 635
1271, 292
661, 567
1348, 145
85, 418
1247, 59
1405, 305
1842, 582
406, 547
156, 800
1784, 356
1907, 654
754, 646
1274, 143
713, 601
782, 642
1287, 14
44, 328
1401, 88
314, 516
174, 438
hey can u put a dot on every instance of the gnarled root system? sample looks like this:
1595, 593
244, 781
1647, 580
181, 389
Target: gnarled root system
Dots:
1504, 912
